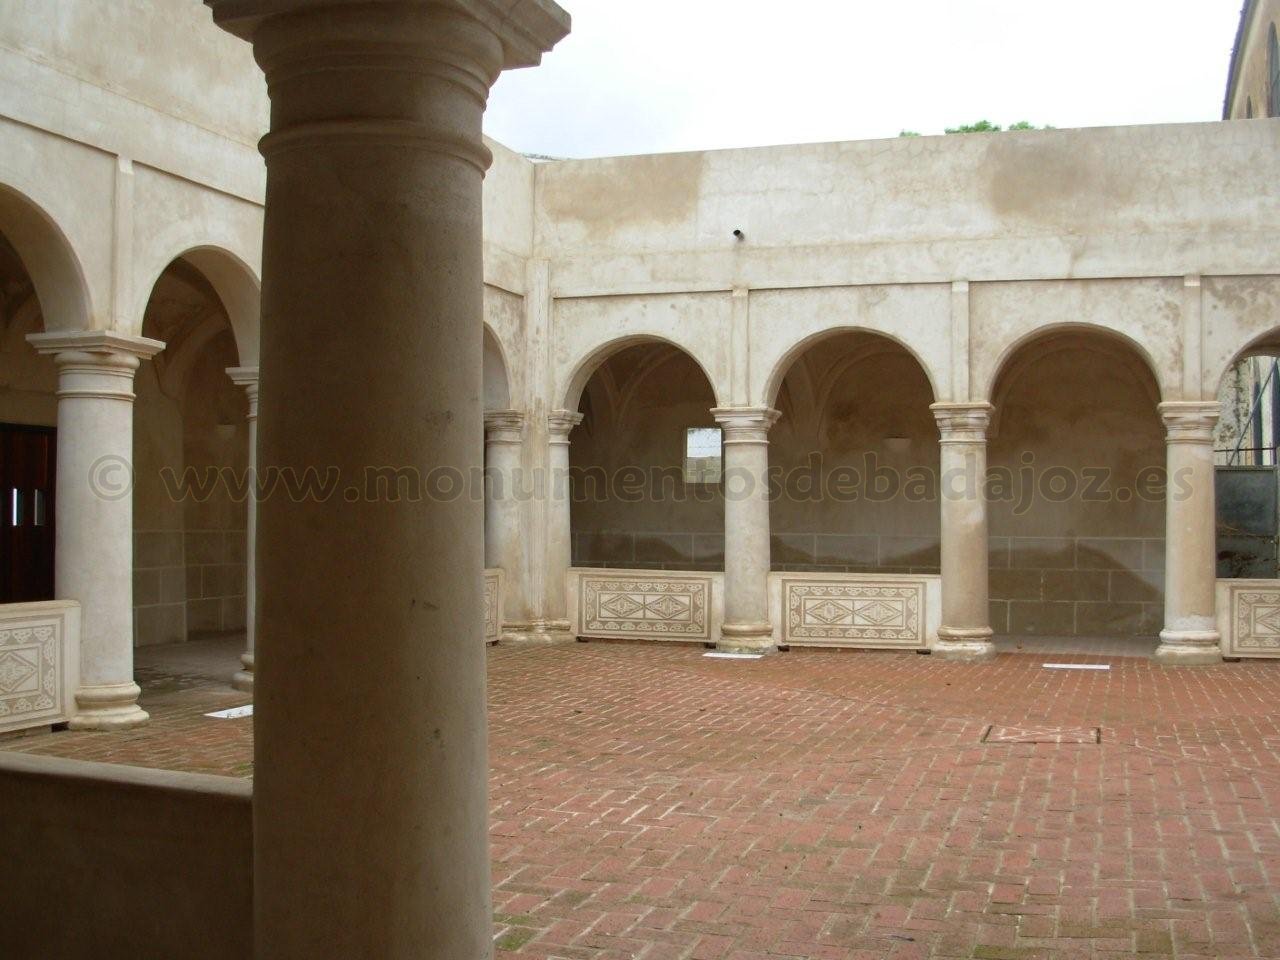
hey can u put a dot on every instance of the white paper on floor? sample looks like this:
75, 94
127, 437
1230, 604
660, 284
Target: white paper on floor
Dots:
235, 713
1077, 666
735, 656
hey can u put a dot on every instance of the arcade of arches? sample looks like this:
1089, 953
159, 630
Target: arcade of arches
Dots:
868, 327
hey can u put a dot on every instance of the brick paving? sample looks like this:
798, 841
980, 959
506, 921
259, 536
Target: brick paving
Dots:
648, 803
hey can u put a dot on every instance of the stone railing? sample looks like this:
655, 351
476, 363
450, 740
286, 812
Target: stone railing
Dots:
1249, 618
118, 842
666, 605
493, 583
856, 610
39, 663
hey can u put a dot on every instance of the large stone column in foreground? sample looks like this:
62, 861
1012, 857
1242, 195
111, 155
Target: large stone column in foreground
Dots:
93, 556
1190, 636
370, 814
966, 631
747, 627
247, 377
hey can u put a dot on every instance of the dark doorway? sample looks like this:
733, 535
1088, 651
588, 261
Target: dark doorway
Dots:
28, 464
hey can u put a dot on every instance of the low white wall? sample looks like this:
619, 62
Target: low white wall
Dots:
493, 606
109, 861
1249, 618
663, 605
39, 663
855, 610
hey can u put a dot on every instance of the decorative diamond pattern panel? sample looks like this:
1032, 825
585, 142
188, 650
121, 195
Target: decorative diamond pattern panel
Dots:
492, 606
852, 613
31, 671
645, 608
1255, 622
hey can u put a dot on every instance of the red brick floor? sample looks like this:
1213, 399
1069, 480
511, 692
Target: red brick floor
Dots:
649, 803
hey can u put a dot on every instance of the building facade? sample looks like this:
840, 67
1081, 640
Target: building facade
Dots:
866, 325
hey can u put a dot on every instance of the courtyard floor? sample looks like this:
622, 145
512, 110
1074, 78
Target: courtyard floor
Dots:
650, 803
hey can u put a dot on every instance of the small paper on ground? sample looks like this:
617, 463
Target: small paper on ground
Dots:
1077, 666
235, 713
734, 656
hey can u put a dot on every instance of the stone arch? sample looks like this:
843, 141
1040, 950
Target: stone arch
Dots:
56, 272
854, 403
497, 376
1121, 345
1036, 346
190, 422
1264, 345
1076, 526
1251, 398
878, 340
639, 404
586, 366
237, 287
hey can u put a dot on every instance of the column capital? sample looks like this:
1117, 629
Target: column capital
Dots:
746, 424
963, 422
247, 377
95, 365
526, 30
1190, 421
504, 426
104, 344
561, 423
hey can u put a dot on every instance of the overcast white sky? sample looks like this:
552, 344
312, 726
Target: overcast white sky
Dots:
651, 76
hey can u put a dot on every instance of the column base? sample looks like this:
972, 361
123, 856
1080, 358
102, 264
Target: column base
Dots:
965, 646
1189, 649
243, 680
747, 638
113, 707
540, 633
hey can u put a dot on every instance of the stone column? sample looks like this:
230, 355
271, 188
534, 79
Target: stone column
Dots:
247, 377
559, 526
93, 555
747, 627
966, 631
370, 795
1190, 636
503, 544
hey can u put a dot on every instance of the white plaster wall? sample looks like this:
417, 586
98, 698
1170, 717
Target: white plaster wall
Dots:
171, 217
784, 323
588, 331
1112, 202
201, 79
1148, 313
1239, 313
169, 90
508, 218
56, 201
504, 315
